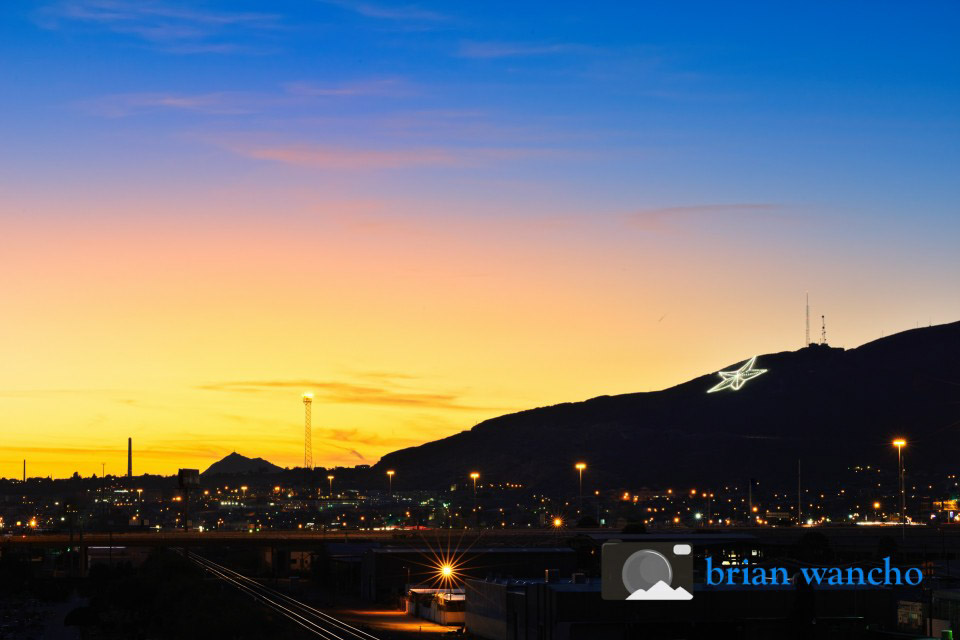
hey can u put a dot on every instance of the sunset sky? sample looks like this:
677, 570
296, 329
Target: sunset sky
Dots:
432, 214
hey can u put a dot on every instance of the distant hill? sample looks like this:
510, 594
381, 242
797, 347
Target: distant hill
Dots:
235, 464
831, 408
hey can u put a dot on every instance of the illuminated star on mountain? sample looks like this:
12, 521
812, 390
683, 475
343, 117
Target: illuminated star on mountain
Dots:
735, 379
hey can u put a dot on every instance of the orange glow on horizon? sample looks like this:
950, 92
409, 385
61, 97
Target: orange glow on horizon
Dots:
399, 320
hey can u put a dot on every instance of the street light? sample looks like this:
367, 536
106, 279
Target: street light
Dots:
473, 476
330, 480
900, 443
390, 480
580, 466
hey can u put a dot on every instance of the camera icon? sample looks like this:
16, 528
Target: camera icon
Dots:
646, 571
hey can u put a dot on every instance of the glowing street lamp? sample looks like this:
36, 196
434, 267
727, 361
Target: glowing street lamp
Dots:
580, 466
390, 473
330, 480
473, 476
900, 443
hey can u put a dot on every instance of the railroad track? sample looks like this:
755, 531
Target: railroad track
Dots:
320, 624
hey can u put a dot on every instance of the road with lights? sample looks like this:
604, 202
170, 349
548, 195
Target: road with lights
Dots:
270, 537
313, 620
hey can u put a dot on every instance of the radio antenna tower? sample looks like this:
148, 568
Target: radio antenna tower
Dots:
806, 342
307, 432
823, 330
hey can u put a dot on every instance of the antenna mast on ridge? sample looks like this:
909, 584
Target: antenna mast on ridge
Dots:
823, 330
806, 342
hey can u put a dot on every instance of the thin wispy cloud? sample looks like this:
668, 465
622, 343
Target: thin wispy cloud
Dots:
410, 12
31, 393
491, 50
176, 27
366, 438
657, 219
161, 453
378, 87
348, 393
353, 159
216, 103
289, 96
323, 157
384, 375
331, 157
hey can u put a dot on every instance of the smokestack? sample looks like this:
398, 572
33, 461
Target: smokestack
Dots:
24, 469
129, 457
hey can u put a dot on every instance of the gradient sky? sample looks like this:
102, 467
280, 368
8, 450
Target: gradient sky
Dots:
431, 214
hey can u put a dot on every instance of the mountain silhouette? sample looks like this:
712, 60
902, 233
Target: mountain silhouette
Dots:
829, 407
235, 464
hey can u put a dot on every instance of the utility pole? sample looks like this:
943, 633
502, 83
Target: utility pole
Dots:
903, 496
799, 496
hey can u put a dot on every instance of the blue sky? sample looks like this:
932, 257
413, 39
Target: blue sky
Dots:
854, 104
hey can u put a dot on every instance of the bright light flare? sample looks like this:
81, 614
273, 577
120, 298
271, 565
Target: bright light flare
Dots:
443, 567
899, 443
446, 572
